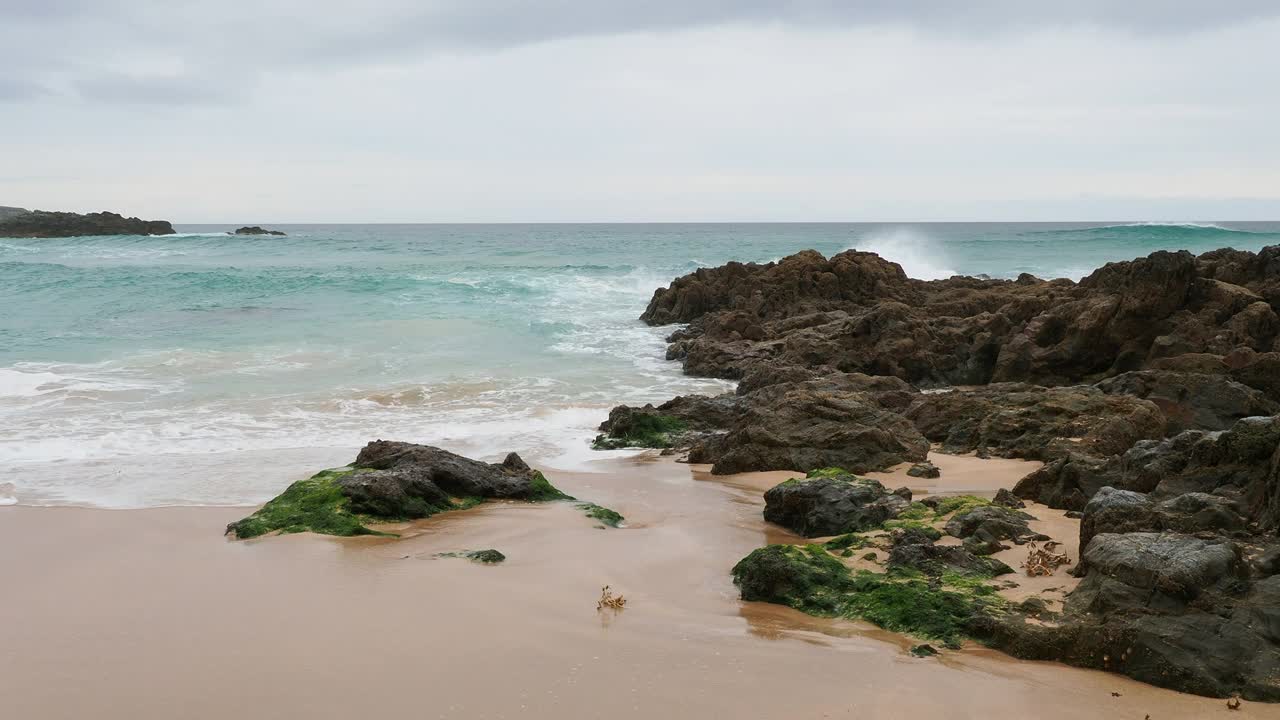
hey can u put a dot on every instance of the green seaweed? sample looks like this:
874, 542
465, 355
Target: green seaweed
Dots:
917, 511
643, 430
319, 505
541, 489
312, 505
932, 532
827, 472
809, 579
609, 517
487, 557
848, 540
959, 504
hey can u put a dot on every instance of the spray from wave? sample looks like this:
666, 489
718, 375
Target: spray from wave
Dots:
920, 256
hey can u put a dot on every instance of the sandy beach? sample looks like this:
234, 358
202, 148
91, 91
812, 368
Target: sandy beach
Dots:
153, 614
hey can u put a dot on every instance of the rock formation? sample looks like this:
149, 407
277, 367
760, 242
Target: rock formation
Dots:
19, 223
389, 482
255, 230
1151, 390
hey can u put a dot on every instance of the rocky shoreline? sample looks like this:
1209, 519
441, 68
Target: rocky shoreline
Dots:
22, 223
1148, 394
1150, 389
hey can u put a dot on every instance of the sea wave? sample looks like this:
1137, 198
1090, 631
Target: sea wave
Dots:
1163, 230
921, 256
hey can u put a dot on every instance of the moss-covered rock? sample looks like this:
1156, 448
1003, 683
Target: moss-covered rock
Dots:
809, 579
831, 502
958, 503
486, 557
641, 429
612, 518
391, 482
316, 504
541, 489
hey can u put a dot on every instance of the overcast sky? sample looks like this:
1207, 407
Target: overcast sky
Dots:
663, 110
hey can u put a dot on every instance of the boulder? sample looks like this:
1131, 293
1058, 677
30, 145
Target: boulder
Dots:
916, 550
924, 469
831, 505
987, 525
1154, 571
393, 481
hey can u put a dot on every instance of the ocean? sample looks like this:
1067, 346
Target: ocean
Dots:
208, 369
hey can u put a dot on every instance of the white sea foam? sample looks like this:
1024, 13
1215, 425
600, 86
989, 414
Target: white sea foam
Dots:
920, 256
18, 383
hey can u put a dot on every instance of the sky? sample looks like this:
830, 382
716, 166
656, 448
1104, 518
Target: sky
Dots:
623, 111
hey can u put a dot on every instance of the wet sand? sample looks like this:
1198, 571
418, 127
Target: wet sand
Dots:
143, 614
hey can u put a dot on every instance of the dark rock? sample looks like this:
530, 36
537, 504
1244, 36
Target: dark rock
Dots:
1266, 564
989, 524
454, 474
925, 650
1124, 511
916, 550
831, 505
393, 481
1004, 498
904, 493
924, 469
1012, 420
1158, 571
813, 424
858, 312
255, 230
42, 224
1193, 401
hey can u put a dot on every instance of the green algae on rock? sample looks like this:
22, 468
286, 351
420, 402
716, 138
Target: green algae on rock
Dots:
611, 518
642, 430
316, 504
809, 579
486, 557
390, 482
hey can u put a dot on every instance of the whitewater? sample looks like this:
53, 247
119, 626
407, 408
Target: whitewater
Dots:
209, 369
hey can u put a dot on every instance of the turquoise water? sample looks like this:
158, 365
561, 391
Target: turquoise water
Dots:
209, 369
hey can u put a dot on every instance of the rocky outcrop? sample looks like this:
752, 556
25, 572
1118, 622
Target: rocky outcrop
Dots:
812, 424
393, 481
7, 212
843, 420
1018, 420
1241, 465
856, 312
982, 528
1193, 401
42, 224
1150, 389
255, 230
831, 504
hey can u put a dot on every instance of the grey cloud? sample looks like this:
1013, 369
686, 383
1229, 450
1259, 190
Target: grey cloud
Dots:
12, 89
181, 89
86, 42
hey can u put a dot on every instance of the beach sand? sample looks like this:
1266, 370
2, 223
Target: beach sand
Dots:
144, 614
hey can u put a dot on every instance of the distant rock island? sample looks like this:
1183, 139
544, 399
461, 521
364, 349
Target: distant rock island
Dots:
22, 223
255, 230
